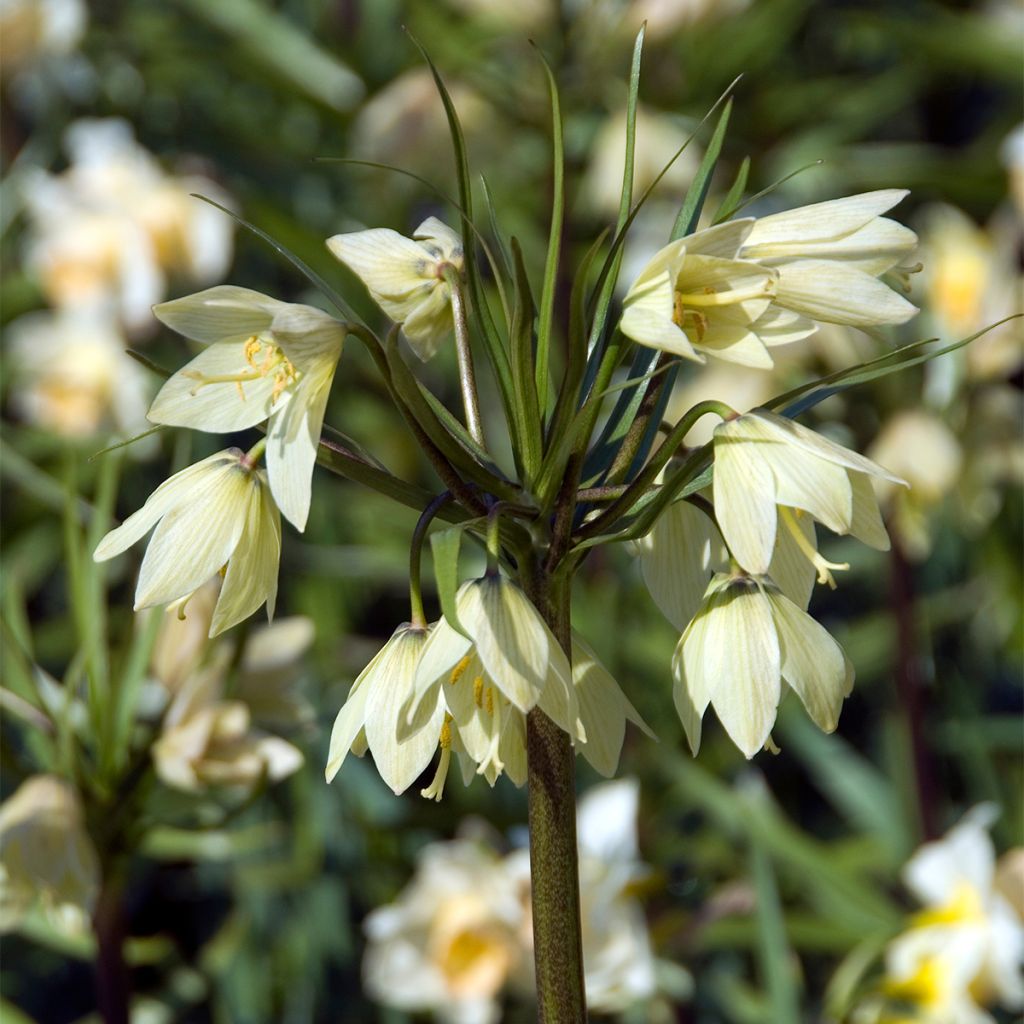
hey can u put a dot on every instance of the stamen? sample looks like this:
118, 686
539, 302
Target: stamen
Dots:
478, 691
460, 668
807, 548
436, 788
490, 700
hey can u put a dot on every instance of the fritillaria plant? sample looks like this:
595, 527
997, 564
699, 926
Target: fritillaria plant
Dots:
501, 684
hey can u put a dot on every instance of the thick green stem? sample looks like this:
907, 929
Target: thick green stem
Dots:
554, 869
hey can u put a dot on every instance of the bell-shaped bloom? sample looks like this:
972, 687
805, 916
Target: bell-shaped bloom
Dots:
764, 461
695, 298
828, 258
746, 640
216, 515
964, 950
375, 709
405, 277
46, 855
265, 360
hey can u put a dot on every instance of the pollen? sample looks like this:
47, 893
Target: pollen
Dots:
490, 700
478, 691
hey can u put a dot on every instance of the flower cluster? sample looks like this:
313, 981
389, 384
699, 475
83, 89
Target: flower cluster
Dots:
459, 935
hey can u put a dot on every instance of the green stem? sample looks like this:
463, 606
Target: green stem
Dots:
417, 616
467, 375
113, 992
554, 869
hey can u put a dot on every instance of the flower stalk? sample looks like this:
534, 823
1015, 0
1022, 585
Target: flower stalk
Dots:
467, 374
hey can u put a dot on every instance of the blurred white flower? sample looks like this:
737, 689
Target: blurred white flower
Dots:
32, 29
451, 940
965, 949
664, 17
71, 374
213, 516
46, 855
918, 446
210, 741
658, 136
109, 229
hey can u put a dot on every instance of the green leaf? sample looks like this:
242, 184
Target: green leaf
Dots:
547, 295
125, 443
771, 188
304, 268
689, 213
730, 203
445, 546
527, 403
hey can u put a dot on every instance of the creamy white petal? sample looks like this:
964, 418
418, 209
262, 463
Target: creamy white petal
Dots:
512, 746
349, 722
251, 579
558, 698
224, 313
311, 339
812, 662
181, 489
444, 649
746, 658
696, 663
816, 485
510, 637
429, 323
790, 567
399, 763
733, 342
388, 263
778, 326
744, 499
293, 440
437, 234
839, 293
665, 263
819, 221
193, 542
675, 560
866, 520
647, 318
876, 247
722, 240
219, 407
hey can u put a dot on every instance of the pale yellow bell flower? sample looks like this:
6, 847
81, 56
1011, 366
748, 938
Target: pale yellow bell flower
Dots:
31, 30
374, 711
215, 515
694, 298
46, 855
746, 640
265, 360
829, 256
405, 277
769, 469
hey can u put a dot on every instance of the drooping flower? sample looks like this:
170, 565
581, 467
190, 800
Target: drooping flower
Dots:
829, 256
746, 640
374, 712
405, 277
451, 940
46, 855
964, 950
766, 466
264, 360
695, 298
31, 30
215, 515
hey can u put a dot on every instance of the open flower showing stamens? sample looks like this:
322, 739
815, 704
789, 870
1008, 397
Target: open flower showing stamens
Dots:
748, 638
764, 462
695, 298
372, 714
405, 277
829, 256
215, 516
265, 360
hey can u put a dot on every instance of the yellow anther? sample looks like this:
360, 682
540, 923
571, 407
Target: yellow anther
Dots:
445, 739
252, 350
490, 700
459, 669
478, 691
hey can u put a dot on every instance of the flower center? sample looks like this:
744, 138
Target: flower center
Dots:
265, 360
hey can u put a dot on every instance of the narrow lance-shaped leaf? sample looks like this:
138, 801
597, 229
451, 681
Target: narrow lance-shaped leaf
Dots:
731, 202
445, 546
693, 204
527, 408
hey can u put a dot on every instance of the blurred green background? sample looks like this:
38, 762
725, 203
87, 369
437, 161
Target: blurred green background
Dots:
251, 909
